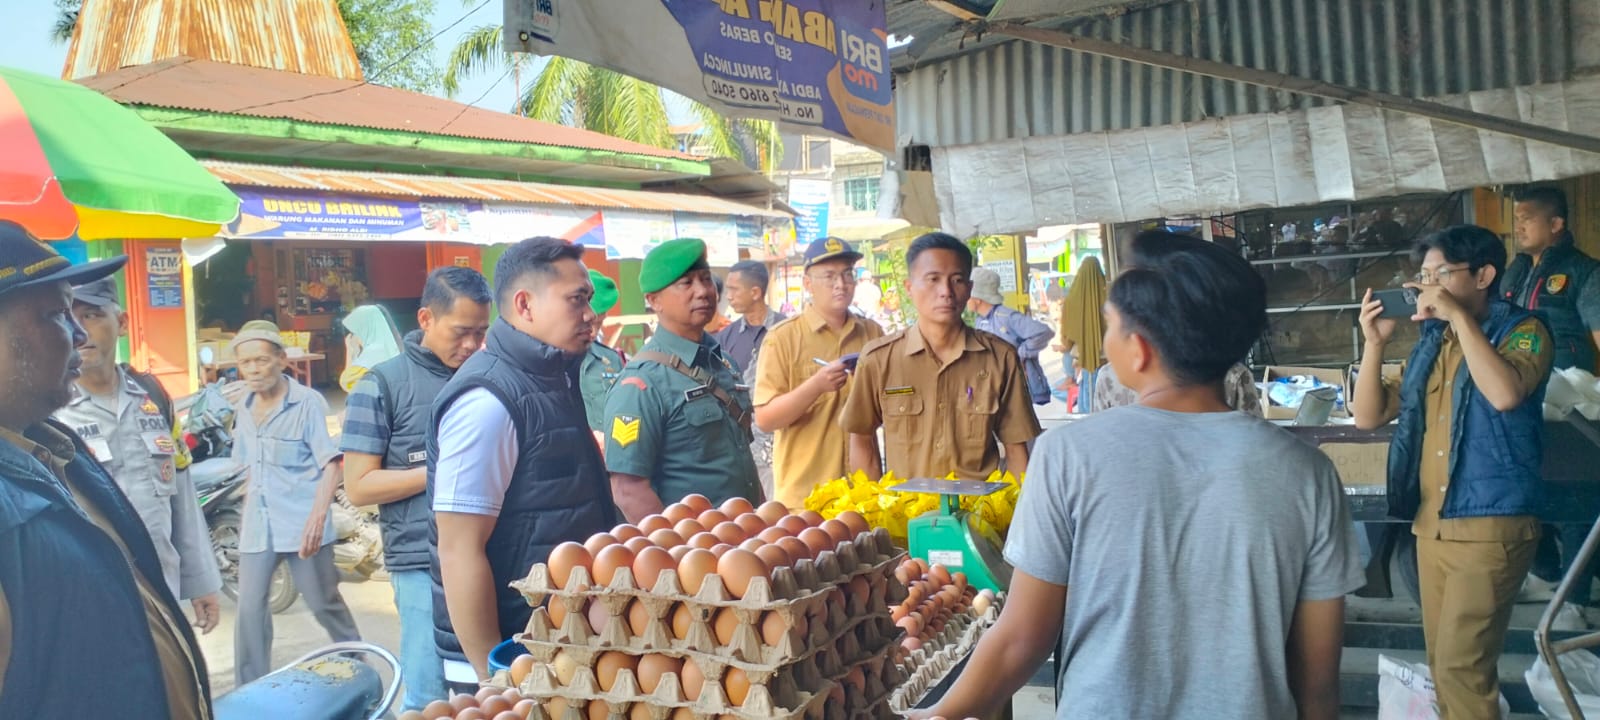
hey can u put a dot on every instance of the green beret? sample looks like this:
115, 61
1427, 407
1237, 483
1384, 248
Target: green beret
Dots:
669, 261
605, 293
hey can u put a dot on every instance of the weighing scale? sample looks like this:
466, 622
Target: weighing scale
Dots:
949, 537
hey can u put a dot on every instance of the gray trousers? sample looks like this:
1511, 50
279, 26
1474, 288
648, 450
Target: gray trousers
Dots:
315, 578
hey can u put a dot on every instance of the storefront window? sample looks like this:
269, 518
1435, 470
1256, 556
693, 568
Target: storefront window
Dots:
861, 194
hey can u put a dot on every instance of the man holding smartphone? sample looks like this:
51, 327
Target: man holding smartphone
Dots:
803, 374
1464, 464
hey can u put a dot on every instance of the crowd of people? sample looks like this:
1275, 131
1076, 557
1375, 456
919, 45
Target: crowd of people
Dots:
503, 427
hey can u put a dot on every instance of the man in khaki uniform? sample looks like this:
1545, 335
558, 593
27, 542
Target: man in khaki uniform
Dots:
1464, 464
946, 395
803, 374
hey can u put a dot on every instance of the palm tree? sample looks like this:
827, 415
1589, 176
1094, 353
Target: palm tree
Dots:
575, 93
66, 20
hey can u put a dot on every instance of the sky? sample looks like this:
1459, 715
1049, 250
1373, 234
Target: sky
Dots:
28, 45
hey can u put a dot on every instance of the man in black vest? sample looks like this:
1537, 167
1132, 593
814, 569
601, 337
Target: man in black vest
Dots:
80, 581
512, 468
1552, 276
385, 455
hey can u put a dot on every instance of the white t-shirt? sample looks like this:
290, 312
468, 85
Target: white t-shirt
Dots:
477, 453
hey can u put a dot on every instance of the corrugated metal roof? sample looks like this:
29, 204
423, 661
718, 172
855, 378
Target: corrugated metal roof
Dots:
393, 184
214, 87
303, 36
1414, 48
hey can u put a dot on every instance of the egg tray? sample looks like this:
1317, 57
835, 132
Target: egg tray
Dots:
927, 668
829, 615
883, 680
805, 582
775, 696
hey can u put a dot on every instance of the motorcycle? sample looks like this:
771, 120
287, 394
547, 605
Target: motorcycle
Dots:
326, 684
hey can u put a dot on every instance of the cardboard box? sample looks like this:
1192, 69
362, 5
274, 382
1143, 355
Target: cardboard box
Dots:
1391, 370
1273, 373
1359, 463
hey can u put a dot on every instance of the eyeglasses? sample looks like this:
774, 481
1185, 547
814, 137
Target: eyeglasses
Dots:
1438, 277
827, 279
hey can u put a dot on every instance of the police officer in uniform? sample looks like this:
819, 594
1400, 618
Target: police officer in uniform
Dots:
1554, 278
125, 418
603, 365
947, 396
678, 421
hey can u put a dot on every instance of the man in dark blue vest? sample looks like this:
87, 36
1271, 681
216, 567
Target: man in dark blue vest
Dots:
1464, 464
512, 468
80, 581
1552, 276
386, 455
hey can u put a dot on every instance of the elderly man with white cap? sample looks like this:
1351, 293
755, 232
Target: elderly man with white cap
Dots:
281, 436
1029, 336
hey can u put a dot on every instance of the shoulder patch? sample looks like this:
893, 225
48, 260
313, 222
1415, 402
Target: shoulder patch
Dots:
635, 381
624, 430
1525, 341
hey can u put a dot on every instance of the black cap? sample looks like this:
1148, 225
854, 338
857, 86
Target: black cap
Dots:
830, 248
26, 261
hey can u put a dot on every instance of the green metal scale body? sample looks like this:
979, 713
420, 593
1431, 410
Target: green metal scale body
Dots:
948, 537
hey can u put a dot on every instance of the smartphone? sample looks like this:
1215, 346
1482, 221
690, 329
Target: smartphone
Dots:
1398, 303
848, 360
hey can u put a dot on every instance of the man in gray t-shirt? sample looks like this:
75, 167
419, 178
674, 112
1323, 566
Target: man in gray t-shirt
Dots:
1191, 561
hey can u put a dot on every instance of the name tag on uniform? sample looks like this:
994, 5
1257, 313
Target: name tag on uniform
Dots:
418, 456
902, 390
694, 394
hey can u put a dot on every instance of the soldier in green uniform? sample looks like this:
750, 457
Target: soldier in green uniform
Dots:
678, 420
603, 365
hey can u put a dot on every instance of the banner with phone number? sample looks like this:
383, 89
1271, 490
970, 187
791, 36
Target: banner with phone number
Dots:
817, 65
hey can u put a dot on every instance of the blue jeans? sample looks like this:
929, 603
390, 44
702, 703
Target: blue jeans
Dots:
420, 667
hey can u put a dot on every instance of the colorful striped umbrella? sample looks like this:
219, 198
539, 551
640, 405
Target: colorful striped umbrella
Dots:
73, 160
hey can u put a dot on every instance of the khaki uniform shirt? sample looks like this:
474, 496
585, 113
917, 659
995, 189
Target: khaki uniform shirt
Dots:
939, 418
813, 450
1532, 362
178, 667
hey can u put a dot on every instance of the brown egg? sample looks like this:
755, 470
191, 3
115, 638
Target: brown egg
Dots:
609, 664
688, 528
704, 541
796, 549
512, 714
772, 511
811, 517
737, 685
793, 524
903, 575
556, 707
752, 544
652, 667
713, 518
438, 709
463, 701
565, 666
940, 575
495, 703
563, 558
854, 521
836, 695
598, 542
666, 538
678, 512
411, 715
772, 534
692, 679
683, 713
773, 555
737, 568
730, 533
648, 566
773, 628
524, 708
697, 502
723, 625
720, 549
598, 710
638, 618
911, 643
638, 544
484, 693
922, 566
898, 613
609, 561
651, 523
860, 589
520, 668
639, 711
598, 616
682, 617
679, 551
471, 713
626, 532
751, 522
857, 679
960, 579
817, 539
557, 611
693, 569
839, 531
911, 624
736, 506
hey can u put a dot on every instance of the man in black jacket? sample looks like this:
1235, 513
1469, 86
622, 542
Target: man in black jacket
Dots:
77, 568
386, 456
512, 468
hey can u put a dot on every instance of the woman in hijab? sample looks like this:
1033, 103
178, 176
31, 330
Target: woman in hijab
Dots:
1083, 330
372, 339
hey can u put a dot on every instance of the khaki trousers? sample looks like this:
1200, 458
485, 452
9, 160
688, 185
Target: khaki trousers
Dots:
1468, 591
